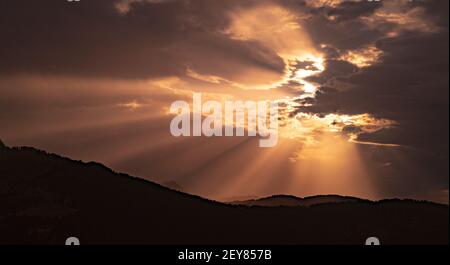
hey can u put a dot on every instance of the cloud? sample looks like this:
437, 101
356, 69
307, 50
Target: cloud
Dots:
406, 81
152, 39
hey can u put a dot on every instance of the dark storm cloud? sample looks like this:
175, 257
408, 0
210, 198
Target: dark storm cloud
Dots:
306, 65
437, 11
152, 39
334, 69
409, 85
351, 10
346, 35
342, 26
87, 39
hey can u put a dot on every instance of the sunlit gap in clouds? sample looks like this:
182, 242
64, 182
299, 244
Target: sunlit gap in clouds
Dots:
316, 154
281, 30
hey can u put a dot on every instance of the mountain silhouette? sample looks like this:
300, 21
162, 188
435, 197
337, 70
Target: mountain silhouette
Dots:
45, 198
289, 200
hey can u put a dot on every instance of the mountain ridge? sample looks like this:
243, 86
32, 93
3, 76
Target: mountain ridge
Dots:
243, 202
45, 198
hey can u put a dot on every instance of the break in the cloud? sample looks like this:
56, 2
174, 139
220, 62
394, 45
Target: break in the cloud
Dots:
375, 73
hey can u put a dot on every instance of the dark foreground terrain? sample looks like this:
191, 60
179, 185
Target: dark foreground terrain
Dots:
45, 198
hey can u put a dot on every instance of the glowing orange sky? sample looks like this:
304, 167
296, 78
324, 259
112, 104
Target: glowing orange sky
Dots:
264, 51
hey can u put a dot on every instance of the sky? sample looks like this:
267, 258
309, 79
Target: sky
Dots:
362, 88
